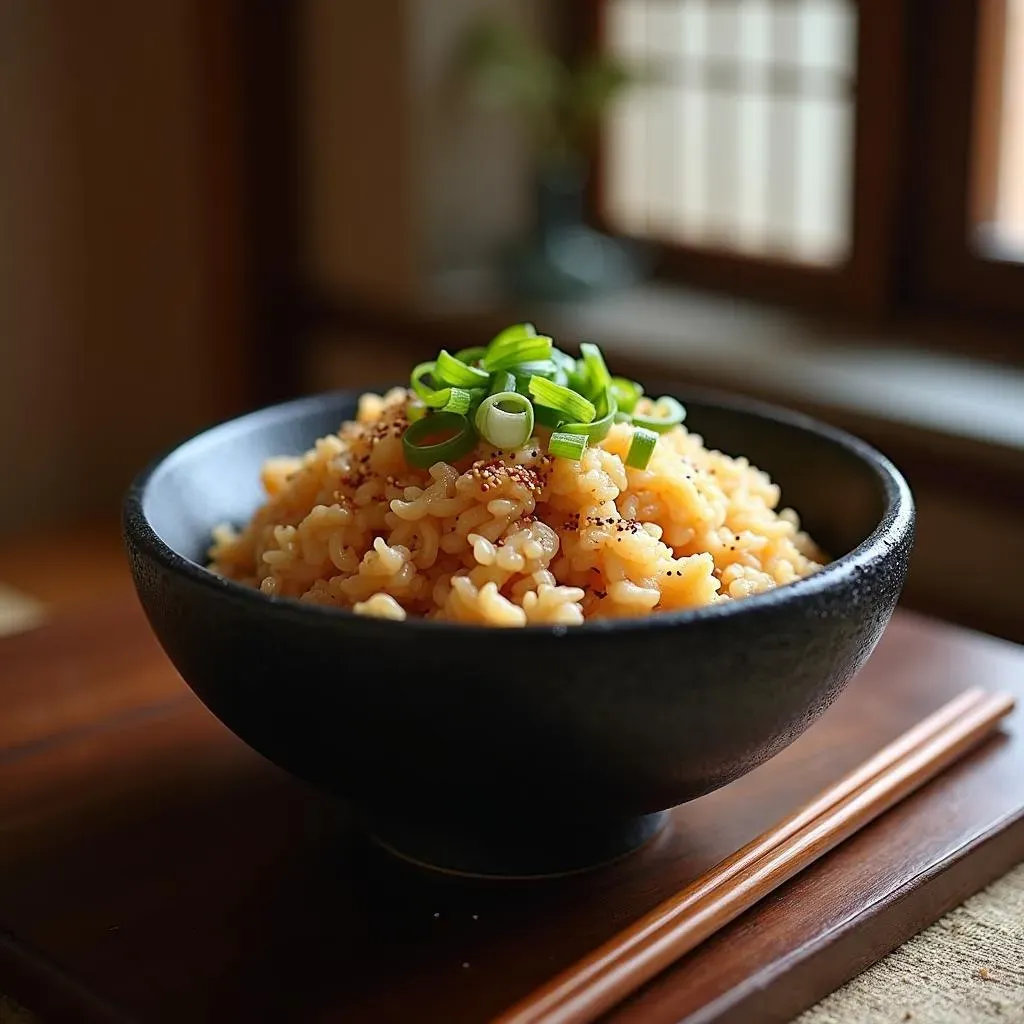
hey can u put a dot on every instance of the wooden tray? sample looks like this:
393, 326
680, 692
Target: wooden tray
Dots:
152, 868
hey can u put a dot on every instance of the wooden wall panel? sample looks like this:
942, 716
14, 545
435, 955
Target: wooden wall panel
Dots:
117, 290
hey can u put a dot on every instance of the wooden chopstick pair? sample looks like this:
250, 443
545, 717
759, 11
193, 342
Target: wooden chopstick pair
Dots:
624, 963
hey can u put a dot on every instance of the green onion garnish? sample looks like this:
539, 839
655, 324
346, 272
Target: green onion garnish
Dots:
422, 380
449, 370
563, 359
598, 429
525, 330
452, 400
501, 381
471, 355
538, 368
667, 413
550, 418
573, 406
505, 420
578, 380
509, 349
627, 393
459, 441
565, 369
641, 448
500, 392
598, 377
568, 446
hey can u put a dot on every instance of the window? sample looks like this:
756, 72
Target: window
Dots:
859, 155
966, 192
745, 142
998, 185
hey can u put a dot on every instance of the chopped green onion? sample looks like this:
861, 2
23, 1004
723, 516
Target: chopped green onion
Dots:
471, 355
599, 428
524, 371
667, 413
641, 448
550, 418
505, 419
555, 396
598, 377
537, 368
436, 399
419, 378
568, 446
444, 399
501, 391
563, 359
526, 330
460, 440
508, 350
627, 393
578, 378
451, 400
449, 370
501, 381
546, 368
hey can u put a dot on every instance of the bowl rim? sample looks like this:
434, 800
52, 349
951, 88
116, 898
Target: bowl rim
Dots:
896, 520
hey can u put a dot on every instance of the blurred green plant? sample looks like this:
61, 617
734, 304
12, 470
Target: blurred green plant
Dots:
561, 106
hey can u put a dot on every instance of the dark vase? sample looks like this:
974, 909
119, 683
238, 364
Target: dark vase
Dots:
560, 199
565, 258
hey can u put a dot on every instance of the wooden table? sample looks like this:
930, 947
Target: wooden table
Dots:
152, 868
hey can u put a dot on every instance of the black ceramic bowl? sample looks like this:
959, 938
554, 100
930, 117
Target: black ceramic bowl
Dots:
534, 750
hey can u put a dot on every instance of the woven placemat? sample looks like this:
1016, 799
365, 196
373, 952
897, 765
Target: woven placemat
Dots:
967, 968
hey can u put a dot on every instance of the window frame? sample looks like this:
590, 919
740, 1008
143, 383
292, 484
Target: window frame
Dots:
911, 184
948, 273
866, 281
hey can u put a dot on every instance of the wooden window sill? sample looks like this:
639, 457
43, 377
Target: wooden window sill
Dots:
757, 348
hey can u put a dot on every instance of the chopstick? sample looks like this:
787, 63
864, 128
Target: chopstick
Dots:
616, 969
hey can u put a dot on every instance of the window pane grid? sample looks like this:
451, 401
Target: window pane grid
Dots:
744, 141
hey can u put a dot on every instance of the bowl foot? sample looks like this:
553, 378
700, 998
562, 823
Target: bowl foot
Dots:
487, 850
